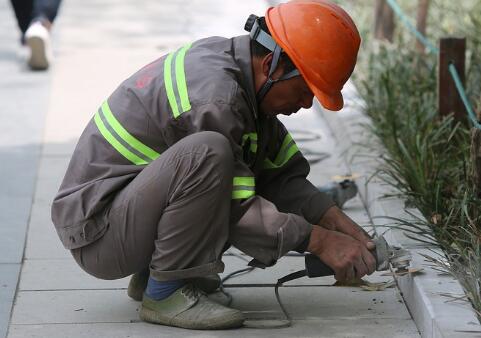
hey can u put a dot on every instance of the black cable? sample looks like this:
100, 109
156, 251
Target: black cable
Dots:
286, 314
289, 277
232, 274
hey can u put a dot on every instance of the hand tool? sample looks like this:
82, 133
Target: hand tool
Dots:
385, 255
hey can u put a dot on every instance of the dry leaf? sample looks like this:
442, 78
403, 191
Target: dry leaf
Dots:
436, 218
341, 178
412, 271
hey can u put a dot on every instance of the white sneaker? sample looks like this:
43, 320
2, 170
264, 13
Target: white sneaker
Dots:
37, 38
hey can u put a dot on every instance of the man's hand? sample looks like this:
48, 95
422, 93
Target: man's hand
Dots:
347, 256
335, 219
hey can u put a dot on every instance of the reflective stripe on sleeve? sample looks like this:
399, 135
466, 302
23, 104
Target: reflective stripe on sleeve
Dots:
122, 141
287, 150
124, 134
252, 137
116, 144
177, 93
243, 187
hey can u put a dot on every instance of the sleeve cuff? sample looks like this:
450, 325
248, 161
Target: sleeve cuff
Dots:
301, 248
317, 206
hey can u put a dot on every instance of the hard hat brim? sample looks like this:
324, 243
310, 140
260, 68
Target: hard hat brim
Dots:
332, 102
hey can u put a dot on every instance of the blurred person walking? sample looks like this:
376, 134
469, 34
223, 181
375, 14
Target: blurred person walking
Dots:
35, 19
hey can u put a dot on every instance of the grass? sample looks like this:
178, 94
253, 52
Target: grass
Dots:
426, 157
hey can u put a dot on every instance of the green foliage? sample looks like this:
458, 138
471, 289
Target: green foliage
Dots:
426, 158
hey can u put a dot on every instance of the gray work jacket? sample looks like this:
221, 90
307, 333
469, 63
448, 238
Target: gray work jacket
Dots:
206, 85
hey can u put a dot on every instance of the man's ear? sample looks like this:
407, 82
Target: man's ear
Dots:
266, 64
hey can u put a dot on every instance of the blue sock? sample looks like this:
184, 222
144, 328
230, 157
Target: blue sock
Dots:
160, 290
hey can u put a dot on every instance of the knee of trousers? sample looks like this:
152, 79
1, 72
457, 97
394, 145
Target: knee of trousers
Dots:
219, 149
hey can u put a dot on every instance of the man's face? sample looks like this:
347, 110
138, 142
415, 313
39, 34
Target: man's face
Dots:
285, 97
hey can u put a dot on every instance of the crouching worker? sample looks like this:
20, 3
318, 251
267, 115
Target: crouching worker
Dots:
187, 157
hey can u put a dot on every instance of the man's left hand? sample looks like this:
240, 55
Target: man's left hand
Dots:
335, 219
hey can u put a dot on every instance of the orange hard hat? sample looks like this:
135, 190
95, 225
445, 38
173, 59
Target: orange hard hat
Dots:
321, 40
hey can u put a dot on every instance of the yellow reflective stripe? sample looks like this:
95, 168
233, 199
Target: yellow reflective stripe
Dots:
126, 136
282, 150
253, 138
268, 164
243, 187
116, 144
287, 150
180, 82
242, 194
169, 87
292, 150
247, 181
180, 78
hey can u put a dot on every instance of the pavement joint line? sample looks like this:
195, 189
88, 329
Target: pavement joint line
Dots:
70, 290
10, 263
238, 286
56, 155
283, 286
140, 322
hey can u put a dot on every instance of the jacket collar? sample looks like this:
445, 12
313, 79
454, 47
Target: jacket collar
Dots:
242, 56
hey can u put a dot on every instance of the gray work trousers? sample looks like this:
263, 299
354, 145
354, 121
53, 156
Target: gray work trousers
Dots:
173, 217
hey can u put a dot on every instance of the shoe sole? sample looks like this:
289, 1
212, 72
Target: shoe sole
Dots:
155, 317
38, 57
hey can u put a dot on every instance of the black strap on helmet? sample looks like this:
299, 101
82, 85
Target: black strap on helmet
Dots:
258, 34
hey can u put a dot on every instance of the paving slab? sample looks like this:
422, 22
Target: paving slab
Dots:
8, 283
113, 306
321, 328
23, 104
37, 275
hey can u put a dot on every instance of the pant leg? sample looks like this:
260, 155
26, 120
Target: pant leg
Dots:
45, 9
174, 216
23, 12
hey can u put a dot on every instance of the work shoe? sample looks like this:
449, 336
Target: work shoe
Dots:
208, 284
37, 38
138, 284
189, 308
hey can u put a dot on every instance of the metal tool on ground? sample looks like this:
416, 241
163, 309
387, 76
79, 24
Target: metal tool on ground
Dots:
340, 192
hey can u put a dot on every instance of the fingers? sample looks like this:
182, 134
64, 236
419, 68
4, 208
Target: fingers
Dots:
369, 261
345, 274
349, 227
360, 268
350, 273
364, 238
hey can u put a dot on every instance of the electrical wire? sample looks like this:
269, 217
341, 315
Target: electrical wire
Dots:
282, 323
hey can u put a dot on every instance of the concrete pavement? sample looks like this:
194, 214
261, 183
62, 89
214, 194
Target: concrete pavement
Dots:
98, 44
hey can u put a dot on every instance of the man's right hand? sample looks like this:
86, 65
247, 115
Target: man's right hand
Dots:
348, 257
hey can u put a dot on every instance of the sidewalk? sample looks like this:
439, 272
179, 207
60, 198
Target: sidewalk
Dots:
99, 43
